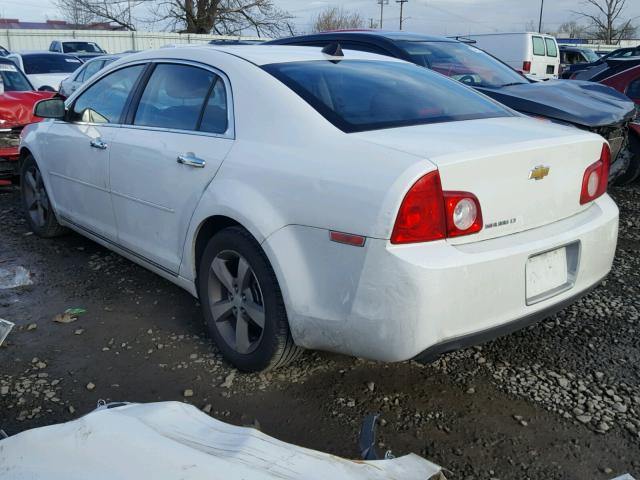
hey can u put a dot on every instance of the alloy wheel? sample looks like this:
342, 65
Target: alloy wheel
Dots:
236, 301
37, 201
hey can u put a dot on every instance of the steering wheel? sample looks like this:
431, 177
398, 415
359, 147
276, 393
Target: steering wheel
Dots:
467, 79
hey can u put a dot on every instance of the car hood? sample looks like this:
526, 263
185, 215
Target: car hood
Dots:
51, 79
582, 103
16, 108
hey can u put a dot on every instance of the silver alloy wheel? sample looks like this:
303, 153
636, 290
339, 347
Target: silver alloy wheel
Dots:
37, 201
236, 302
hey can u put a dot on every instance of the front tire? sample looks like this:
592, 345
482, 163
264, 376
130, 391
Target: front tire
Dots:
242, 303
35, 201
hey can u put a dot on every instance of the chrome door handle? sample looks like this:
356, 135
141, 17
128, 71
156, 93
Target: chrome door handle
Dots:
97, 143
189, 159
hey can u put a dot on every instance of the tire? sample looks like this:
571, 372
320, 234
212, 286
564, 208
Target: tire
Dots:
242, 303
631, 173
35, 201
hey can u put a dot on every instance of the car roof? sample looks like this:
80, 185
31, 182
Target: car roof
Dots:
258, 54
385, 34
26, 53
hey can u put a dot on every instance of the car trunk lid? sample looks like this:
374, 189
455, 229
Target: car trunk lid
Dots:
525, 173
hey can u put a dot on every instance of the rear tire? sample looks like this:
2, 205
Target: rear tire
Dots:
35, 201
242, 303
632, 172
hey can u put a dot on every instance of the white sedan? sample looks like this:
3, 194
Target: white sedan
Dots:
45, 70
357, 203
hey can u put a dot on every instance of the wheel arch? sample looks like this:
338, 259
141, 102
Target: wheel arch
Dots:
206, 230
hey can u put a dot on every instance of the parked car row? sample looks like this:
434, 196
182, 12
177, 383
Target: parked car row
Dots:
365, 220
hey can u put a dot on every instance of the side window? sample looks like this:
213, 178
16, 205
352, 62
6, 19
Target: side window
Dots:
104, 101
91, 68
174, 97
215, 118
363, 47
633, 91
552, 48
538, 46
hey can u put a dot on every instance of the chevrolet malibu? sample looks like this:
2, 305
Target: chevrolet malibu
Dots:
329, 200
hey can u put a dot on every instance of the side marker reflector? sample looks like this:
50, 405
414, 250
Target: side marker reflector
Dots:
347, 238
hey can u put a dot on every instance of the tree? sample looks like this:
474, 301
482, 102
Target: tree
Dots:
606, 21
225, 17
113, 11
73, 12
336, 18
573, 29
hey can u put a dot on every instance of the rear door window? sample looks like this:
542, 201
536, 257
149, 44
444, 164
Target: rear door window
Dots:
552, 48
215, 118
538, 46
633, 91
174, 97
90, 69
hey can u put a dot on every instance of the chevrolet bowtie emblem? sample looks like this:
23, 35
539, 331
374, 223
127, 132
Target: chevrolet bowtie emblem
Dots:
539, 172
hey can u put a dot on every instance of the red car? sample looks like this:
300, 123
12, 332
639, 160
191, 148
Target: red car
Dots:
17, 98
628, 82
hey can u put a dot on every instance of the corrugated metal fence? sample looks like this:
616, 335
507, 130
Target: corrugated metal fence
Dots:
112, 42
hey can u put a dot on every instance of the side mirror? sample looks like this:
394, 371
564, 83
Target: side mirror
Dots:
50, 108
46, 88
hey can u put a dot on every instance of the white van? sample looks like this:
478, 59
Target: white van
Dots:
533, 54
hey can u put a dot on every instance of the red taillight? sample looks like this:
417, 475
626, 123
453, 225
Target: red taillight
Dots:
596, 176
427, 213
526, 67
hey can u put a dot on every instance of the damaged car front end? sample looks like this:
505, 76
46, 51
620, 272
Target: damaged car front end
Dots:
17, 99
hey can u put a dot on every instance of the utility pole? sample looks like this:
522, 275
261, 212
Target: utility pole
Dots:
382, 3
371, 24
540, 22
401, 2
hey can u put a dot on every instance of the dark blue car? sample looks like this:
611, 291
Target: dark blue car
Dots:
586, 105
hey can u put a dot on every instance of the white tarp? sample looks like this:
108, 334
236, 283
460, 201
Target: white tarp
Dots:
171, 441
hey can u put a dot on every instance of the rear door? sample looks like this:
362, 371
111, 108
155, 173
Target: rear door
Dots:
539, 57
179, 131
553, 59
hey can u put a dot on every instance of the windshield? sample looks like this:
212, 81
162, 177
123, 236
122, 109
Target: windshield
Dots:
81, 47
12, 79
590, 55
49, 63
359, 95
462, 62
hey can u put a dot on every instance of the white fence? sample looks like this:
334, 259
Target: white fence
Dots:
112, 42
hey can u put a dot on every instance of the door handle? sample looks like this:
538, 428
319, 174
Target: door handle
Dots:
189, 159
98, 143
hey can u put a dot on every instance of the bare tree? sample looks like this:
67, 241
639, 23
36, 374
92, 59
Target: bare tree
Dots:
573, 29
606, 20
114, 11
224, 17
73, 12
336, 18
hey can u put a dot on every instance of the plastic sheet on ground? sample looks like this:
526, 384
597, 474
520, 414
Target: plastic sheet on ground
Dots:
172, 440
13, 277
5, 328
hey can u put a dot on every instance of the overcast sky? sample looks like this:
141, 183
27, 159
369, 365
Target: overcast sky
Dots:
428, 16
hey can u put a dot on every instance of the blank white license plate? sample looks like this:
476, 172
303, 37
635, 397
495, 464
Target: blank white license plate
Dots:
546, 272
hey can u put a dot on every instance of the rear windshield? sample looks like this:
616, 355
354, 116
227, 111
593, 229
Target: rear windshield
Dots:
81, 47
49, 63
360, 95
12, 79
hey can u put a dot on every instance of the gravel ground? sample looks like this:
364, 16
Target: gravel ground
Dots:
558, 400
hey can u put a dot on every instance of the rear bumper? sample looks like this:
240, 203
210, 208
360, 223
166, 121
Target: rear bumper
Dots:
394, 302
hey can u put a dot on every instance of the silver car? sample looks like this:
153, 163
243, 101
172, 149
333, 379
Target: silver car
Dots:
84, 72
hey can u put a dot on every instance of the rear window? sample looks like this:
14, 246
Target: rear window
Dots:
552, 49
49, 63
81, 47
12, 79
360, 95
538, 46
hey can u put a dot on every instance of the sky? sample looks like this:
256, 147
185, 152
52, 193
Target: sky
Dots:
427, 16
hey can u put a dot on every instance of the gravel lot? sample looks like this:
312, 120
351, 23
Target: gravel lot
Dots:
558, 400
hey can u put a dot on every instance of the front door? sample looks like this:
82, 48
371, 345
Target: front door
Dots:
181, 132
77, 152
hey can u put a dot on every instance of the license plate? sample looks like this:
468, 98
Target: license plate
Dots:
546, 272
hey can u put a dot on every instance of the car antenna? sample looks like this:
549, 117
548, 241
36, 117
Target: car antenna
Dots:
333, 49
